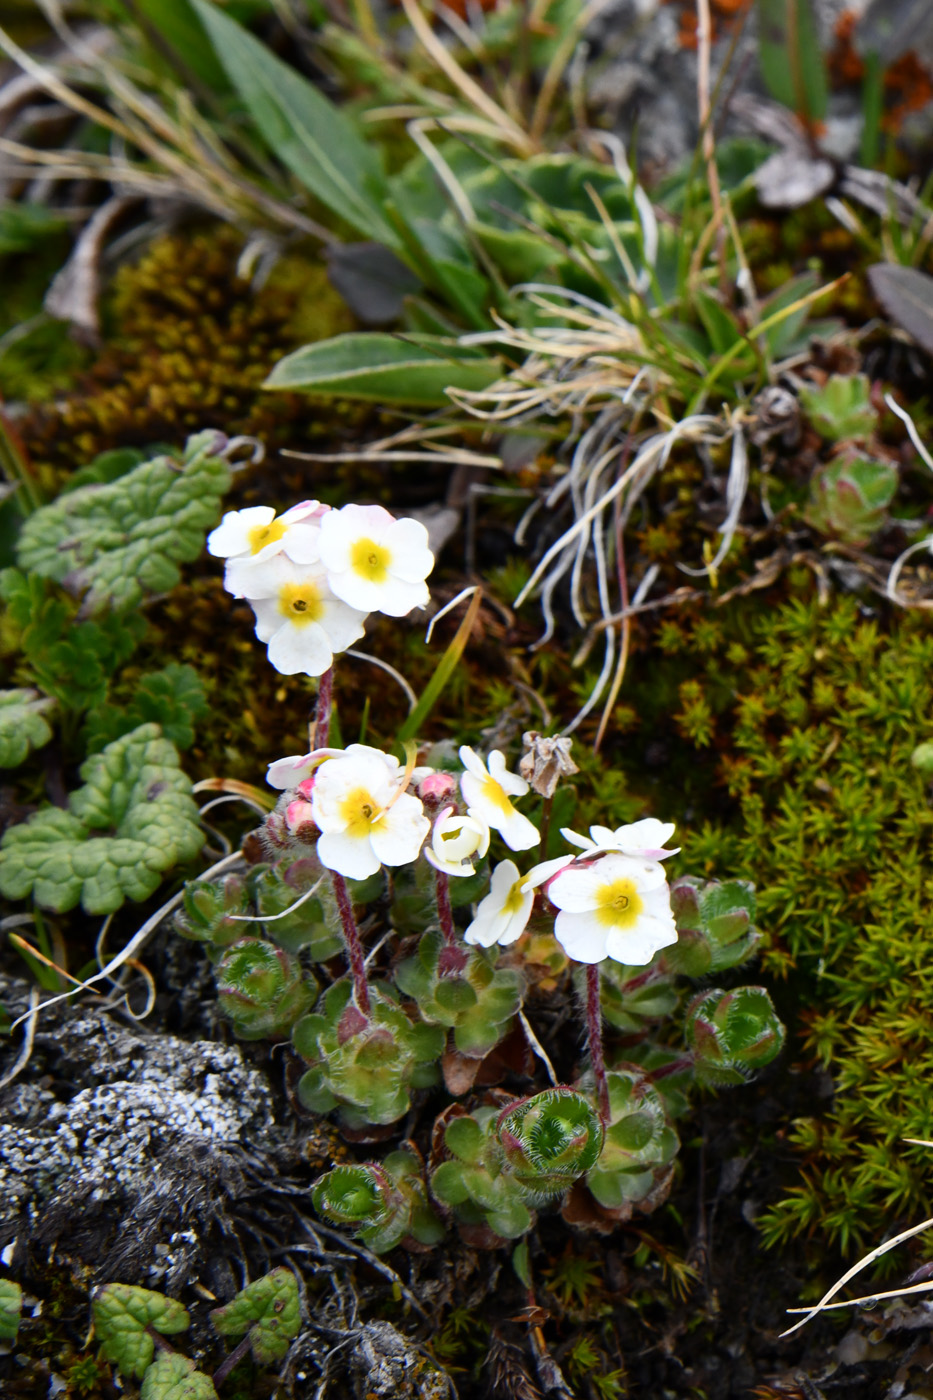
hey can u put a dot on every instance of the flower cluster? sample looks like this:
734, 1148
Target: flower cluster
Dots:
612, 898
312, 575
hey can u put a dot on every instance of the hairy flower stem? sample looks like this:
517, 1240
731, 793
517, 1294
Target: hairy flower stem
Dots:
351, 936
594, 1034
444, 911
325, 693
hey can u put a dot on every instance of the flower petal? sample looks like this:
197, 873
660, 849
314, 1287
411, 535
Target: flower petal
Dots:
348, 855
581, 937
296, 650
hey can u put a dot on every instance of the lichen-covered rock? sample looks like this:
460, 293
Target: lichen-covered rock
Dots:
148, 1151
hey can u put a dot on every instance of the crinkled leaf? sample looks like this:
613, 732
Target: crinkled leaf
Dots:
173, 698
271, 1308
415, 370
133, 820
122, 1313
112, 544
11, 1305
173, 1377
70, 660
23, 725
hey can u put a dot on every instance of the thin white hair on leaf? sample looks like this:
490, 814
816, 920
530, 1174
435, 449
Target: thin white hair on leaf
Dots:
911, 427
397, 676
736, 488
139, 940
891, 590
271, 918
448, 607
857, 1269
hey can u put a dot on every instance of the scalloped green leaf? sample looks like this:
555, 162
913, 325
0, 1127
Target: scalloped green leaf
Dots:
113, 544
269, 1309
133, 820
23, 726
11, 1306
173, 698
173, 1377
122, 1314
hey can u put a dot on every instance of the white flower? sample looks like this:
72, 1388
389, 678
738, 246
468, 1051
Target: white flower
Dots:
296, 769
487, 793
365, 818
501, 917
645, 839
454, 840
375, 562
298, 616
616, 907
247, 537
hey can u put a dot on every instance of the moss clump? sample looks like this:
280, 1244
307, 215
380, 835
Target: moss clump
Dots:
806, 717
188, 342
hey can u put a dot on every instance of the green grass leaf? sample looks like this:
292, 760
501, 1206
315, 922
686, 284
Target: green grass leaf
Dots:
318, 142
416, 370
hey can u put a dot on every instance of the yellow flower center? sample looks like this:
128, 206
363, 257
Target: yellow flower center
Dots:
359, 812
496, 794
261, 535
619, 904
512, 904
370, 560
301, 603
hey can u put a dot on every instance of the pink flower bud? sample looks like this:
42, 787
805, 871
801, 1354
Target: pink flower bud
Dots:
306, 787
437, 787
299, 818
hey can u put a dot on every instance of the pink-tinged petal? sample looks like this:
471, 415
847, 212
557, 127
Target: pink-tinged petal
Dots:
575, 890
540, 874
300, 650
305, 510
302, 544
638, 945
580, 937
298, 814
348, 855
288, 772
232, 534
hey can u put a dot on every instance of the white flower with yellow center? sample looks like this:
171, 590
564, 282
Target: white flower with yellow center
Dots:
248, 537
502, 916
488, 793
375, 562
455, 839
365, 817
300, 619
645, 840
617, 907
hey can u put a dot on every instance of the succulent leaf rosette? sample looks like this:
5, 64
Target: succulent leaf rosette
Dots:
550, 1139
384, 1203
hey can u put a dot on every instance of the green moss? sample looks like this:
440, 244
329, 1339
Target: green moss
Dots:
800, 723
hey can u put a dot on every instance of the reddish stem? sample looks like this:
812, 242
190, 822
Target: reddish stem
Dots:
234, 1359
351, 936
325, 693
444, 910
594, 1033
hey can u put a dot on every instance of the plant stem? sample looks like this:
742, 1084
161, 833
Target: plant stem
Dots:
351, 936
235, 1357
325, 693
444, 911
594, 1034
